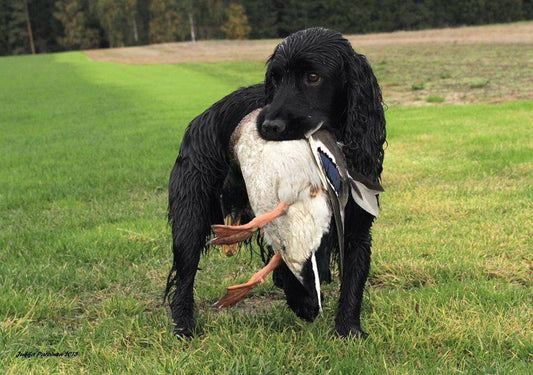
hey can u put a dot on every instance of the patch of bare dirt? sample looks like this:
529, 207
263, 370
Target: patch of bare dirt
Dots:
224, 50
490, 63
521, 33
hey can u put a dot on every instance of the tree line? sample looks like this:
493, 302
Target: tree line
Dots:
38, 26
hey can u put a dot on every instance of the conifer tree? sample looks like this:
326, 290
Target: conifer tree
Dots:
236, 25
165, 21
73, 17
17, 31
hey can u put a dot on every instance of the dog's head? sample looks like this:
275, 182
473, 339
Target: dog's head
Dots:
315, 77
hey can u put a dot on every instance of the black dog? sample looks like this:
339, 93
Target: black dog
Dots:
314, 75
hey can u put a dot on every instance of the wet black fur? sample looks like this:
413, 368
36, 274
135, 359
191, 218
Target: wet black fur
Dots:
348, 100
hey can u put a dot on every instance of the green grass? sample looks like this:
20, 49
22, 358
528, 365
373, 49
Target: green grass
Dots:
86, 149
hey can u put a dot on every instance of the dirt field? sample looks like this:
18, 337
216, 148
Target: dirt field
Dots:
466, 64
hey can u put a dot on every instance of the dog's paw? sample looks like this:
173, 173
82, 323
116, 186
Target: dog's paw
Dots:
350, 331
304, 307
183, 332
308, 313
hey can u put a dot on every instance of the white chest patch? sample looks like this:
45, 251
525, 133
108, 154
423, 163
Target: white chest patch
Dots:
284, 171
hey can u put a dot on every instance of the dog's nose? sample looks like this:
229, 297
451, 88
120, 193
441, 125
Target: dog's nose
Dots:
273, 127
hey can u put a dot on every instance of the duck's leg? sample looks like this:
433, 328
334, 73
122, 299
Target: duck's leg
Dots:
236, 293
228, 234
230, 249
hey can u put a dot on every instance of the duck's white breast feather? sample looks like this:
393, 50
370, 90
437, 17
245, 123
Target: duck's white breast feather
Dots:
284, 171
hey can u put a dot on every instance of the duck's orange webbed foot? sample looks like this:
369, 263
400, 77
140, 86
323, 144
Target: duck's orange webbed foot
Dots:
235, 293
229, 234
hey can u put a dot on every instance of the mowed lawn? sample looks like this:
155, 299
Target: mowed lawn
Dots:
86, 149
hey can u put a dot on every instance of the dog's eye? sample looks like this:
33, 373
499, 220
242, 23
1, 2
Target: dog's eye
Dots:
274, 80
313, 78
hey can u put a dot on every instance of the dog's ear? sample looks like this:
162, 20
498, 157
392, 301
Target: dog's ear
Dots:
363, 130
269, 84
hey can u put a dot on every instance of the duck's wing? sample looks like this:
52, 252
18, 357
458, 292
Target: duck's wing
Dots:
365, 193
332, 169
335, 169
338, 181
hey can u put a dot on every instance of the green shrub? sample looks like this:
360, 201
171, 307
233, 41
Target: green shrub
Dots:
434, 99
418, 86
445, 74
477, 83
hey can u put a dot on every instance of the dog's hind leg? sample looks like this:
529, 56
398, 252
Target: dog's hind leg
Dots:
187, 248
355, 273
190, 213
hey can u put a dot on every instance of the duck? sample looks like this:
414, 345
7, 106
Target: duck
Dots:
297, 189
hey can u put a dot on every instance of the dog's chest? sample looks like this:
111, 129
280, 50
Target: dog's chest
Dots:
284, 171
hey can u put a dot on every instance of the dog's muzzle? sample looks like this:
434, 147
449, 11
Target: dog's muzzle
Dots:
273, 128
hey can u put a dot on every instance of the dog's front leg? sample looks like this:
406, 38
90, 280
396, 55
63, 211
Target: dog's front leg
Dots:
355, 273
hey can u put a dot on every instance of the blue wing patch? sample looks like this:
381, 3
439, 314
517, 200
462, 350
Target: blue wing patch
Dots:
330, 170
